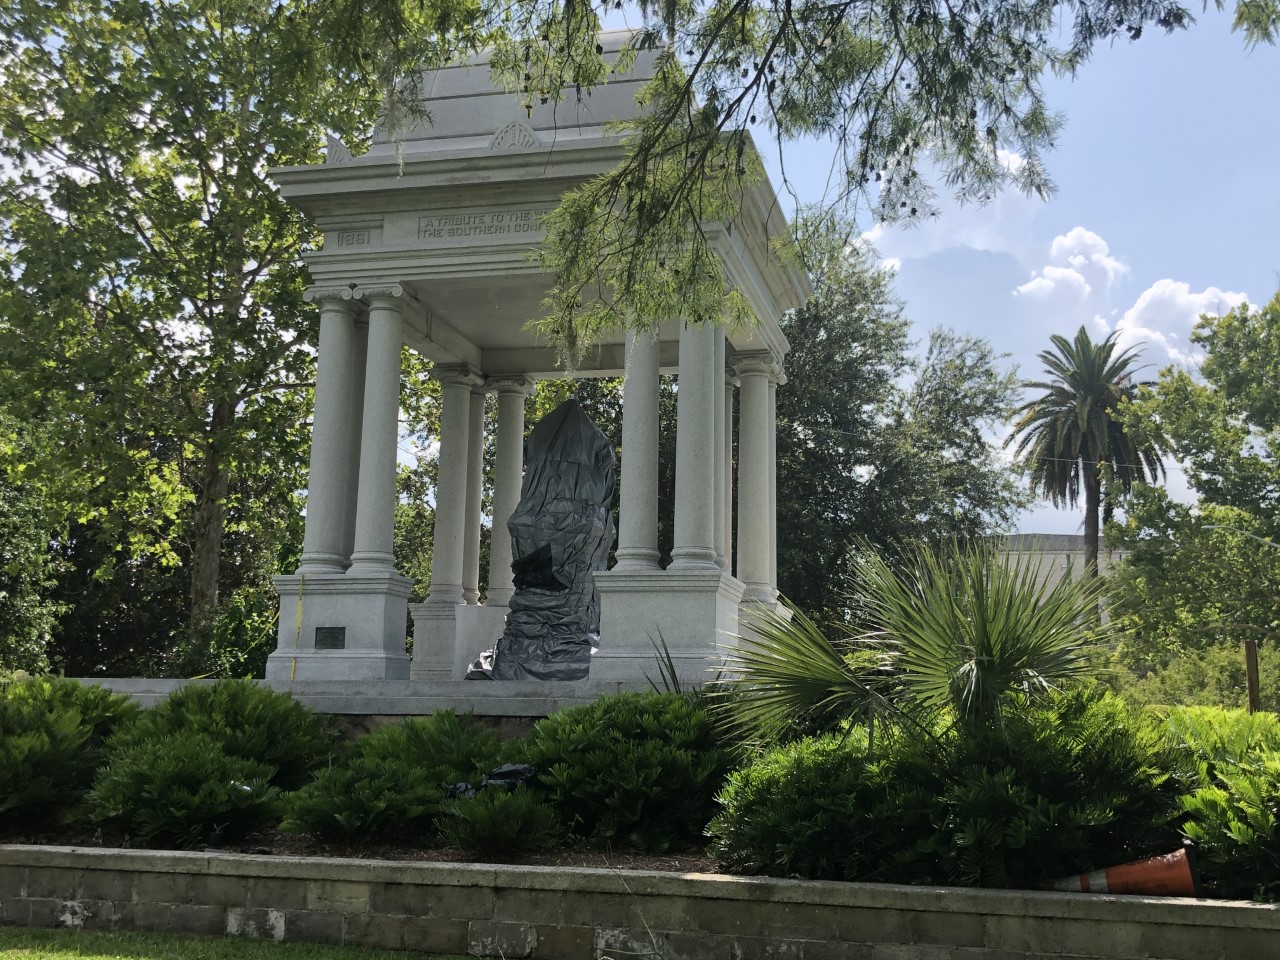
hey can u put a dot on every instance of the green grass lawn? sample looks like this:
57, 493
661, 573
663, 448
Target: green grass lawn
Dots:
61, 944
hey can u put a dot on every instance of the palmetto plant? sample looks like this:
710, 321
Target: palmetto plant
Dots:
957, 635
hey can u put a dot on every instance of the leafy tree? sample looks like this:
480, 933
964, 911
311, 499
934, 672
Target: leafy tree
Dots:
1201, 578
891, 85
894, 85
151, 282
1070, 434
27, 569
874, 447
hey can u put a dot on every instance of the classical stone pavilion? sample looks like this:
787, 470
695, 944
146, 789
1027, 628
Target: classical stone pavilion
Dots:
426, 244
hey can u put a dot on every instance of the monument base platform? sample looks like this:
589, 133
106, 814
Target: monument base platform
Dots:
402, 698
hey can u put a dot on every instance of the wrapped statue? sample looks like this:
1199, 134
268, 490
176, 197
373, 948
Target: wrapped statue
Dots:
561, 533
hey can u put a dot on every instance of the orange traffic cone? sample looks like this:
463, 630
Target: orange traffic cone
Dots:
1168, 875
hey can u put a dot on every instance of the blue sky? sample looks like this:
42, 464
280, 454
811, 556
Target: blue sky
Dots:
1168, 206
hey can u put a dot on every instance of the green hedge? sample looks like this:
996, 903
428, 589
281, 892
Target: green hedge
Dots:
391, 783
246, 720
1232, 807
181, 788
53, 735
637, 769
1071, 786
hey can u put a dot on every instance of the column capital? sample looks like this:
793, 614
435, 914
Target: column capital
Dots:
521, 385
387, 290
757, 363
457, 374
320, 294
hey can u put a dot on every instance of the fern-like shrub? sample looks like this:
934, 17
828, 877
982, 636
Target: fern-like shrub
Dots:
1234, 823
246, 720
1233, 803
180, 788
391, 783
1214, 736
641, 769
52, 741
500, 823
1074, 784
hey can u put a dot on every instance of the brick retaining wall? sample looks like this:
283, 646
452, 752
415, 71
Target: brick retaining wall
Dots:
586, 914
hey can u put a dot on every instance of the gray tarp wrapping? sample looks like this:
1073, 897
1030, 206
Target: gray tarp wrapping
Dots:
560, 533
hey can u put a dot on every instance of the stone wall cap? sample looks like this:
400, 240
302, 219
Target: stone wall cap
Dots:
1098, 907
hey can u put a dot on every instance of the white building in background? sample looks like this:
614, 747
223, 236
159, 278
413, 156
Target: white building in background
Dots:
1057, 553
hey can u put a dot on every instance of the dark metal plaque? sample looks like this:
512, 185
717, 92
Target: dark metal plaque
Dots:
331, 638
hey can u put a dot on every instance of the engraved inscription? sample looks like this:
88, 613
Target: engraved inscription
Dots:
489, 223
353, 238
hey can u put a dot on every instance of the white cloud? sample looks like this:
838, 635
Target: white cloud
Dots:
1003, 225
1083, 248
1051, 280
1163, 315
1013, 162
1080, 261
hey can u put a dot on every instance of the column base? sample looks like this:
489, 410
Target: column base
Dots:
693, 559
341, 627
370, 564
752, 605
636, 559
322, 564
692, 612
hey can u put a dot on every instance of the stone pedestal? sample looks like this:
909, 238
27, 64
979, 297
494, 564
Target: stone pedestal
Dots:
341, 627
694, 612
435, 639
448, 637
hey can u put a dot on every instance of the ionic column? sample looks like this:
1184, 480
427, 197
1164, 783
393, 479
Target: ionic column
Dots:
508, 473
638, 505
373, 550
754, 566
718, 449
727, 548
354, 420
447, 549
475, 485
332, 465
694, 541
774, 380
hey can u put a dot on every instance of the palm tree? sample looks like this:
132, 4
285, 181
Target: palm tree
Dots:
1070, 435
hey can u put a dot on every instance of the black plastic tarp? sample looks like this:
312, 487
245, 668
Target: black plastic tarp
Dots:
561, 532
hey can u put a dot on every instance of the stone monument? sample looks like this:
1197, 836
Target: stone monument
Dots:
426, 243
